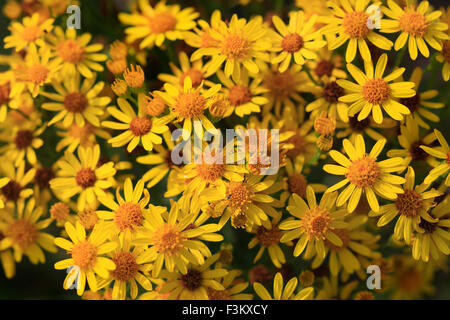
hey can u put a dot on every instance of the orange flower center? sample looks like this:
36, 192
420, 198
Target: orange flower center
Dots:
299, 144
239, 94
344, 235
195, 75
364, 295
4, 93
85, 134
235, 46
84, 255
85, 178
31, 33
363, 172
410, 280
37, 73
140, 126
218, 294
75, 102
280, 84
210, 172
88, 219
155, 106
324, 125
134, 76
128, 216
306, 278
413, 23
192, 280
292, 43
355, 24
161, 22
59, 211
126, 266
23, 139
376, 91
239, 196
409, 203
316, 223
168, 239
267, 237
12, 190
297, 184
71, 51
324, 68
189, 104
23, 233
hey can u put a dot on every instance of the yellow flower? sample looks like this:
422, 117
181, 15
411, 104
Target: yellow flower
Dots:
328, 66
136, 127
238, 44
295, 40
75, 53
412, 205
372, 91
232, 288
152, 25
288, 293
28, 33
83, 177
126, 213
129, 270
314, 223
350, 23
365, 126
417, 26
244, 96
418, 103
76, 102
433, 238
22, 233
194, 281
364, 174
440, 153
201, 38
16, 189
87, 255
38, 69
444, 57
76, 136
411, 142
188, 104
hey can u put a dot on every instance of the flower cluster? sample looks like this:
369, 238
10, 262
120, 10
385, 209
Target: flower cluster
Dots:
99, 145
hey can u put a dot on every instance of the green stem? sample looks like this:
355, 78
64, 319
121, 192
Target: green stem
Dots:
308, 72
400, 56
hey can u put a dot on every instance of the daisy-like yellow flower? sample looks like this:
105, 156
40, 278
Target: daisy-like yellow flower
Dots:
238, 44
16, 189
443, 153
418, 104
137, 127
75, 53
295, 40
76, 102
83, 176
303, 140
433, 238
268, 238
286, 293
22, 143
365, 127
244, 96
233, 288
350, 24
412, 205
127, 213
314, 223
327, 100
152, 25
418, 25
39, 69
129, 270
200, 37
373, 92
411, 142
87, 256
22, 231
444, 57
189, 104
193, 282
30, 32
364, 174
172, 238
328, 66
196, 71
75, 136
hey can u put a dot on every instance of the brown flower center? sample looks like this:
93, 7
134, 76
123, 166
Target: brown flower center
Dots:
413, 103
363, 172
409, 203
126, 266
280, 84
12, 190
376, 91
427, 226
292, 42
23, 139
23, 233
192, 280
43, 176
324, 68
239, 94
195, 75
267, 237
416, 152
4, 93
316, 222
218, 294
75, 102
446, 50
299, 144
297, 184
85, 178
355, 24
357, 125
332, 92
